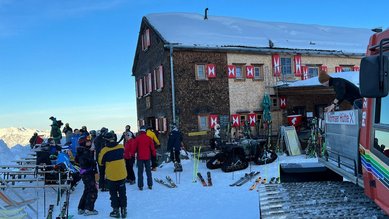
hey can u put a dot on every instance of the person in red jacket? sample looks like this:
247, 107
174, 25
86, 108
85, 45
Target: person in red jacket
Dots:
144, 147
130, 160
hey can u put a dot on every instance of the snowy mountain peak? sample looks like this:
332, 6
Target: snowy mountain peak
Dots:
13, 136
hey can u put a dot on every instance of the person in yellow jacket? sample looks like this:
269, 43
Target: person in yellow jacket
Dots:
150, 132
111, 158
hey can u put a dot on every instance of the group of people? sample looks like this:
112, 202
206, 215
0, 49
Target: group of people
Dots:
100, 156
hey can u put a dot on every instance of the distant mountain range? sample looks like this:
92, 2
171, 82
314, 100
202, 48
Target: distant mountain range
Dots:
19, 136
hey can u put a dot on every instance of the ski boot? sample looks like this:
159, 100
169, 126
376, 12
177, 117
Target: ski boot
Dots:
123, 212
115, 213
177, 167
92, 212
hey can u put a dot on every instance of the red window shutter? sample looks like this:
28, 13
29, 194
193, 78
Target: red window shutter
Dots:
235, 120
252, 119
323, 68
355, 68
249, 71
150, 83
305, 72
297, 65
147, 32
155, 79
276, 61
213, 120
164, 126
211, 71
156, 125
231, 71
338, 68
160, 75
282, 102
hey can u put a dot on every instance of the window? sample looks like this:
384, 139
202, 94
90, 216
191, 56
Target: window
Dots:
347, 67
203, 122
145, 39
286, 66
313, 71
200, 72
239, 72
243, 118
274, 101
381, 132
258, 72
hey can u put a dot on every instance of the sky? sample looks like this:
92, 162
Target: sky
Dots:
73, 59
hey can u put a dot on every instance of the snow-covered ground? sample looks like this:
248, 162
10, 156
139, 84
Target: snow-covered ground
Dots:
189, 200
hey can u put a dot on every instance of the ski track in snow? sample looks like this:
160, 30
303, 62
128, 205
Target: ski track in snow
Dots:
189, 200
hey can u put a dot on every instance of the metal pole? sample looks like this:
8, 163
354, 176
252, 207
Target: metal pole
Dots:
172, 81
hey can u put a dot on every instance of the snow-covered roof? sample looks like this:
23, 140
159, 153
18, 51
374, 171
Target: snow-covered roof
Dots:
189, 29
352, 76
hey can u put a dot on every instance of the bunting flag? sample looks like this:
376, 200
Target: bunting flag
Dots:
355, 68
213, 120
282, 102
249, 71
323, 68
338, 68
297, 65
211, 71
252, 119
231, 71
305, 72
235, 120
276, 61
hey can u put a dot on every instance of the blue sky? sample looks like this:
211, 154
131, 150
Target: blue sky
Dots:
73, 58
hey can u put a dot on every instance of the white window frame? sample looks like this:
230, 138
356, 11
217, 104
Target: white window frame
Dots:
197, 72
203, 118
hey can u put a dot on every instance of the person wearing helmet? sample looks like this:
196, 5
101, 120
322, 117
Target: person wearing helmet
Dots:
87, 163
111, 157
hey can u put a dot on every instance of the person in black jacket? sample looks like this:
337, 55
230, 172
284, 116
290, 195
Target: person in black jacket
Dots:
174, 145
87, 163
344, 90
99, 143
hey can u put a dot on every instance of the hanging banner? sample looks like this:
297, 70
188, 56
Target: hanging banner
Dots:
305, 73
252, 119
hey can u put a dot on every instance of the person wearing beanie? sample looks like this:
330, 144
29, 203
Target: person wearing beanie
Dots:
87, 163
111, 157
344, 90
144, 148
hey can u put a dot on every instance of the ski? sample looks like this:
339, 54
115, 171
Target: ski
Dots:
257, 181
248, 178
201, 179
169, 180
50, 212
62, 214
160, 181
209, 178
241, 179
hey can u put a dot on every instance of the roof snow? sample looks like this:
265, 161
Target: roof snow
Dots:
189, 29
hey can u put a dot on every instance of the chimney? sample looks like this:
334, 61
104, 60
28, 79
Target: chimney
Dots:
206, 14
